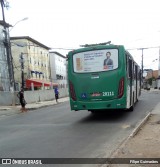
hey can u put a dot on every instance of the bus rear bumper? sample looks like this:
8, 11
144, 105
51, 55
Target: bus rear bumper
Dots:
98, 105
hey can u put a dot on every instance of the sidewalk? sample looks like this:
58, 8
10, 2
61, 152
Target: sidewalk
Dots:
10, 110
144, 142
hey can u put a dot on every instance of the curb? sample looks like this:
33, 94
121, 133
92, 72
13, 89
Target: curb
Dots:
9, 113
35, 108
17, 110
134, 132
43, 106
2, 109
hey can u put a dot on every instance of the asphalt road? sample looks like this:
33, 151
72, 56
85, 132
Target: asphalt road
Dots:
57, 132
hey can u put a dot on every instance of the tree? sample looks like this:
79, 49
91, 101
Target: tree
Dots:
150, 80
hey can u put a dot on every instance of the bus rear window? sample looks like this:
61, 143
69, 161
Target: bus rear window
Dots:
95, 61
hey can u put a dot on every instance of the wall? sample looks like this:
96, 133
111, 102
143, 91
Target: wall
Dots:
8, 98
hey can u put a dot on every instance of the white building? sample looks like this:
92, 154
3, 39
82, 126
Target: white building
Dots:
36, 65
58, 69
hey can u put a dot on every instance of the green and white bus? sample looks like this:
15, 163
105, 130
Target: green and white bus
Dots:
96, 83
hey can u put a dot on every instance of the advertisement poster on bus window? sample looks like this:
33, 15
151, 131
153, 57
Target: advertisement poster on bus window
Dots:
95, 61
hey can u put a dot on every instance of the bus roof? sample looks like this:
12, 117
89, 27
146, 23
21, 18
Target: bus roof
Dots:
95, 47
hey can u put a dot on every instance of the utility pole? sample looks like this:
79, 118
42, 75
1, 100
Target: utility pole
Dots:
22, 69
159, 65
8, 49
159, 71
51, 84
142, 61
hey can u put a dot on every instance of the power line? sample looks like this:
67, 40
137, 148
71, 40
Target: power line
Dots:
151, 47
63, 48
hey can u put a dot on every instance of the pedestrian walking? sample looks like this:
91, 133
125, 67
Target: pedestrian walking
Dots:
56, 94
22, 101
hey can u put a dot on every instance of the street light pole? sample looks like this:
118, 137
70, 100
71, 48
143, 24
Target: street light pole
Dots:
26, 18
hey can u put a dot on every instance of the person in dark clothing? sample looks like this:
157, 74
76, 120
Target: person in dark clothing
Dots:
56, 94
22, 101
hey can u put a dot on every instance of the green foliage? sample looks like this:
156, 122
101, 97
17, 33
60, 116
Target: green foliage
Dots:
150, 80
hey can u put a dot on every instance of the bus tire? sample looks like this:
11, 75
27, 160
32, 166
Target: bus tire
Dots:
92, 111
132, 107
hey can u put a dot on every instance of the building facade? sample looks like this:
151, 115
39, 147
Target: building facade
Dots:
34, 57
58, 69
151, 79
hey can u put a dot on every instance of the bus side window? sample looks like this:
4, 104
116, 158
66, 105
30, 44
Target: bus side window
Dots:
130, 72
134, 71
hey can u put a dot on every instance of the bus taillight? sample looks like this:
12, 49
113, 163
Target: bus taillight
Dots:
72, 91
121, 88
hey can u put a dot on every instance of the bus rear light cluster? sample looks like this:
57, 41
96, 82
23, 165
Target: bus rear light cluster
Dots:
121, 88
72, 91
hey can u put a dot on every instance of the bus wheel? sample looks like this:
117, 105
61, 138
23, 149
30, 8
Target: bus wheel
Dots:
93, 111
132, 107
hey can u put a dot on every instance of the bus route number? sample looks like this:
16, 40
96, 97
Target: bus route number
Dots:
108, 93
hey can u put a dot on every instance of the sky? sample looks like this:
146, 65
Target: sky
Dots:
68, 24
